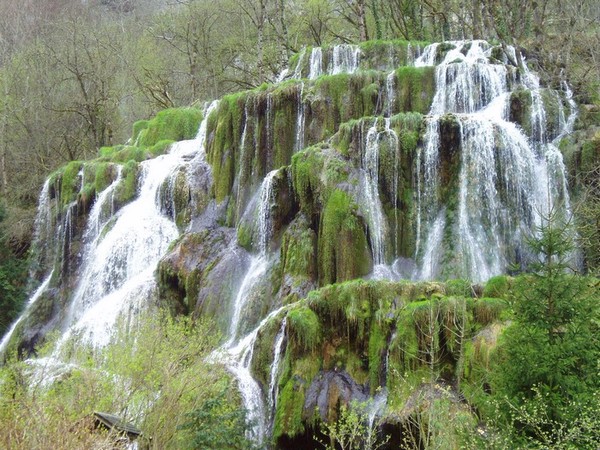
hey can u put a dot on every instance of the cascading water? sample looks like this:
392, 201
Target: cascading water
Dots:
299, 145
30, 303
372, 202
506, 182
122, 251
316, 63
278, 352
389, 94
344, 59
236, 353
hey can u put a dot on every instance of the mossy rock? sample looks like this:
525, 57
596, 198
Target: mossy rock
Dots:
343, 247
173, 124
299, 249
127, 188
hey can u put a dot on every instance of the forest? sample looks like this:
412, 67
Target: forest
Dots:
94, 89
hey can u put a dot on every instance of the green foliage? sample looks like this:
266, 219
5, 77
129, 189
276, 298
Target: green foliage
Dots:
497, 286
217, 424
154, 375
13, 273
551, 350
352, 430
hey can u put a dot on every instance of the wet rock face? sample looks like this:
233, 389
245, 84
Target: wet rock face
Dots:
184, 271
328, 390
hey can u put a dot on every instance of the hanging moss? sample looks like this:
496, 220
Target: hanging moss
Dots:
69, 181
377, 347
385, 55
290, 406
476, 371
224, 129
488, 310
343, 249
103, 176
520, 108
415, 88
305, 330
298, 249
315, 173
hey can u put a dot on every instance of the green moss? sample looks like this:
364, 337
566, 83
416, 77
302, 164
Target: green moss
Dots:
520, 107
343, 249
304, 328
224, 128
315, 174
160, 148
123, 153
103, 176
174, 124
377, 348
127, 188
69, 182
590, 153
298, 249
138, 127
478, 356
488, 310
415, 88
380, 54
497, 286
459, 287
290, 405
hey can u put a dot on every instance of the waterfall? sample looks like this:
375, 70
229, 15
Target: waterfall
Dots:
298, 70
30, 303
278, 352
506, 181
372, 203
258, 267
118, 275
344, 59
299, 145
236, 353
238, 359
239, 179
427, 181
316, 63
390, 95
267, 199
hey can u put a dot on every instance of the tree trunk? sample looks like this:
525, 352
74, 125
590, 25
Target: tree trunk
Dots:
362, 20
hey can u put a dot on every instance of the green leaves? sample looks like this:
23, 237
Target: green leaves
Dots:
549, 355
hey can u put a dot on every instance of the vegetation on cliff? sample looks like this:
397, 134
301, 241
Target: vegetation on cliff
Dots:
361, 363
